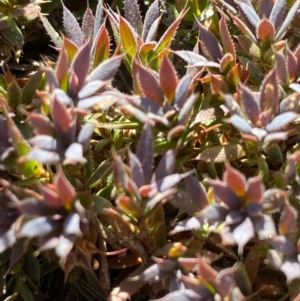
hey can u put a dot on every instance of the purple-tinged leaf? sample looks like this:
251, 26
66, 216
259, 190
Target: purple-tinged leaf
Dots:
235, 180
61, 115
145, 103
253, 209
259, 133
191, 57
225, 194
281, 121
152, 34
85, 135
152, 15
211, 44
264, 226
274, 258
71, 26
291, 269
288, 221
243, 233
189, 224
292, 65
65, 190
250, 103
72, 224
136, 170
288, 19
62, 67
269, 92
30, 206
133, 15
183, 295
221, 153
197, 191
167, 78
281, 69
254, 190
38, 226
265, 31
61, 96
41, 124
244, 28
240, 123
283, 245
81, 64
102, 101
265, 8
90, 88
51, 78
74, 154
225, 281
144, 151
98, 18
166, 165
64, 246
43, 156
186, 110
88, 23
234, 217
45, 142
166, 183
249, 13
51, 198
106, 70
277, 136
277, 13
7, 239
227, 41
149, 84
159, 198
295, 87
181, 92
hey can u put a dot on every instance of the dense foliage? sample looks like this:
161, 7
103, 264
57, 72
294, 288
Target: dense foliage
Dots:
154, 155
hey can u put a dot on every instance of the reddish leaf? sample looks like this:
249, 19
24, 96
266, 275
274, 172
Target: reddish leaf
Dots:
288, 222
254, 190
168, 78
41, 123
65, 190
62, 117
149, 84
235, 180
226, 38
51, 198
265, 30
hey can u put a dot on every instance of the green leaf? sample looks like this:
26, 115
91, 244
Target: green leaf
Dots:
31, 86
